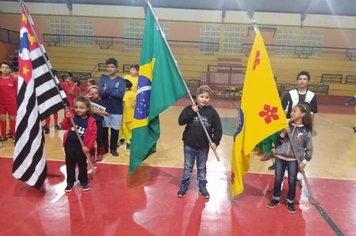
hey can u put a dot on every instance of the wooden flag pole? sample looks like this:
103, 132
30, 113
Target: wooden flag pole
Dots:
29, 18
180, 73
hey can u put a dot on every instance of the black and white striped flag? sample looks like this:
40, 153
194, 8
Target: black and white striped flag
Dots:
37, 98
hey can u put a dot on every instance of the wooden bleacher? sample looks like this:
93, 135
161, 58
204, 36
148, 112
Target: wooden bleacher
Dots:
331, 78
350, 79
192, 65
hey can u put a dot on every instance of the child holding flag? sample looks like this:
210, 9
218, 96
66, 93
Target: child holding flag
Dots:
295, 143
196, 144
74, 152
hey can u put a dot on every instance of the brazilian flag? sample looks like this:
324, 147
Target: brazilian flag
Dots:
160, 85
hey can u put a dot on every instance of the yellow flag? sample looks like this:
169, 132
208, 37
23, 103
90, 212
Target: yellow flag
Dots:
260, 115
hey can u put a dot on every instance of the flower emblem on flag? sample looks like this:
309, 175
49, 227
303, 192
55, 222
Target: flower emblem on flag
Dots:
269, 113
142, 108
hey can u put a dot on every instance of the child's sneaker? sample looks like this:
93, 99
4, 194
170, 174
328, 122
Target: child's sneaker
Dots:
86, 187
204, 192
291, 208
182, 190
128, 146
57, 127
273, 203
272, 167
68, 188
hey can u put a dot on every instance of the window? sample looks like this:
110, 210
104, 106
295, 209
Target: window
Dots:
298, 42
82, 28
312, 39
234, 37
71, 26
60, 26
209, 38
133, 31
287, 39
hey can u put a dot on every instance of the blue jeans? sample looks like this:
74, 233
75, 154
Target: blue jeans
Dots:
190, 155
292, 178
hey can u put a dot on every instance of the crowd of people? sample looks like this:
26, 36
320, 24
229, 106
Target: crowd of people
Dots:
108, 107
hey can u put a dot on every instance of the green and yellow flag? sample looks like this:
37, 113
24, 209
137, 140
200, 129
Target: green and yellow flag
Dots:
260, 115
160, 85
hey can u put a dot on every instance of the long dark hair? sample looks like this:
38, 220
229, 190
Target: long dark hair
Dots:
307, 118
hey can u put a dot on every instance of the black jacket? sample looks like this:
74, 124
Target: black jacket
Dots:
194, 134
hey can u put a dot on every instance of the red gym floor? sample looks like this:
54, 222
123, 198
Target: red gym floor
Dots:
146, 204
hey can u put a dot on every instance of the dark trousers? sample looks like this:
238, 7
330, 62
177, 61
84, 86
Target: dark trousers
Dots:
99, 133
74, 156
281, 165
114, 137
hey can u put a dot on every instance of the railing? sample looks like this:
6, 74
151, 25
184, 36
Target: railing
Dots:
331, 78
9, 36
303, 51
77, 75
106, 42
350, 79
125, 67
226, 68
316, 88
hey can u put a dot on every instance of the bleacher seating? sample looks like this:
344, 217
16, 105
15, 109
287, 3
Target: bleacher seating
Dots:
193, 65
331, 78
192, 83
77, 75
125, 68
228, 65
350, 79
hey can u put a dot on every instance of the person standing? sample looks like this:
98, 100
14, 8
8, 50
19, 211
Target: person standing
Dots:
294, 142
133, 76
98, 113
196, 144
112, 90
75, 153
301, 94
8, 101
